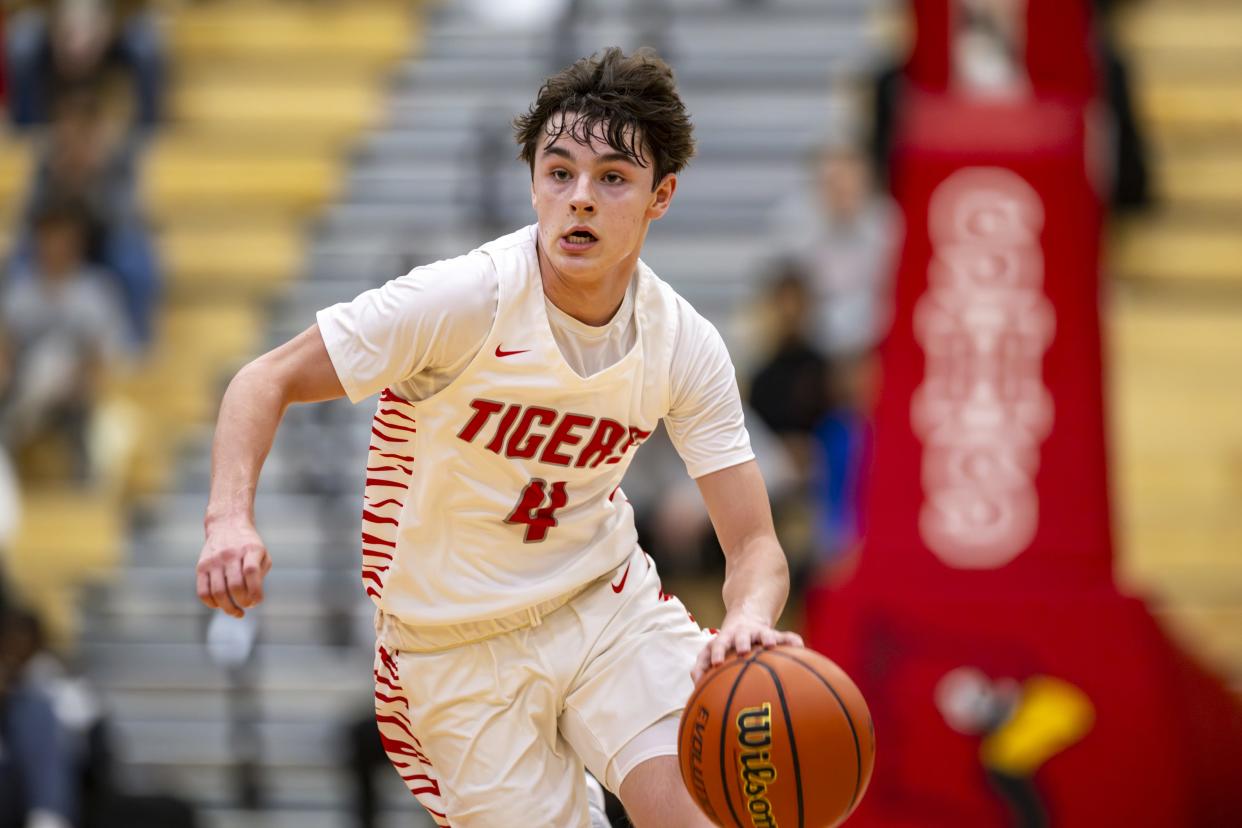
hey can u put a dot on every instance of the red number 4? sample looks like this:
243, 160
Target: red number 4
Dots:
531, 511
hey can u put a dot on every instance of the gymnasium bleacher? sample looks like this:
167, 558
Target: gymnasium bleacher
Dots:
318, 149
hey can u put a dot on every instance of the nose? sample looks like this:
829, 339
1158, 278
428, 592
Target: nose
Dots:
582, 199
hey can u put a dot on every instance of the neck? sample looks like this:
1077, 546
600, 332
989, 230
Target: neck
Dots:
592, 300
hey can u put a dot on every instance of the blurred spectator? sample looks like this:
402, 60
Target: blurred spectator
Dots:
988, 51
65, 329
790, 391
1130, 185
36, 768
81, 741
4, 88
819, 410
364, 761
89, 160
843, 233
988, 48
673, 524
54, 45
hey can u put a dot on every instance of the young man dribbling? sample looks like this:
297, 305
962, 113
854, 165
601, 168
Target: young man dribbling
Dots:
521, 632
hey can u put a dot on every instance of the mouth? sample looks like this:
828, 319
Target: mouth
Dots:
578, 239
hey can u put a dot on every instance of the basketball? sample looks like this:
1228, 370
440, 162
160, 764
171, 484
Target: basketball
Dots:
776, 737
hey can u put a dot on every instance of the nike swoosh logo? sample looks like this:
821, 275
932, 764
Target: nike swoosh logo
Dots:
502, 353
620, 585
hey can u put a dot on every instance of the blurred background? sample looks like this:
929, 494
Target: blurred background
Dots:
183, 184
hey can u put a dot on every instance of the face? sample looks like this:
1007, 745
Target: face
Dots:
844, 183
594, 206
58, 248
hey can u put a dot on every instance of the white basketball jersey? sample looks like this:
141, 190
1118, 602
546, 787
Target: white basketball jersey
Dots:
502, 490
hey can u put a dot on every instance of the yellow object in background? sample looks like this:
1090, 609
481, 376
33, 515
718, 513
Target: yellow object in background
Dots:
1051, 715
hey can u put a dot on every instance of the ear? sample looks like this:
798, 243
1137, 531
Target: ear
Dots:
662, 197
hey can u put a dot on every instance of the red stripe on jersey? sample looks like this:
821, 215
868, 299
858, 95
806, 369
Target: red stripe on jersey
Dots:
397, 413
390, 663
378, 481
384, 436
372, 518
404, 457
391, 468
372, 553
422, 777
394, 426
372, 576
389, 502
387, 396
407, 749
372, 539
400, 748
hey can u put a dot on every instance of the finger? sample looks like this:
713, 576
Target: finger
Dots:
237, 584
253, 570
701, 663
220, 592
203, 586
742, 641
719, 648
769, 637
792, 639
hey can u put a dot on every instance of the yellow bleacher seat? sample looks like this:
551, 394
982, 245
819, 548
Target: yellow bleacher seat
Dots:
255, 259
180, 179
67, 537
1180, 253
1212, 180
371, 32
1185, 27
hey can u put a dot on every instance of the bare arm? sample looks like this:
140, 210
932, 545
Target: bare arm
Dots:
756, 571
234, 560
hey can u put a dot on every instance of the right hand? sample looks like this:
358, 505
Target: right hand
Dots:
231, 568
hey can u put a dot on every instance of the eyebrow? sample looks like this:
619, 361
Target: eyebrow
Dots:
606, 158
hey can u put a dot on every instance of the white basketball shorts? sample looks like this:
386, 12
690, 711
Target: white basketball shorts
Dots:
494, 731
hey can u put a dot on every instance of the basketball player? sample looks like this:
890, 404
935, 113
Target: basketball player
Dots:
521, 632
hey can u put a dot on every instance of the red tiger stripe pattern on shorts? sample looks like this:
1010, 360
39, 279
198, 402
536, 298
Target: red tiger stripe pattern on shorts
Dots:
392, 437
392, 716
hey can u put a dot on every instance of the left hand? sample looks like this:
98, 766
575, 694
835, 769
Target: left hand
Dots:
739, 633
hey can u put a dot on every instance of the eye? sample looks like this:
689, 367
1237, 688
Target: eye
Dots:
560, 174
614, 178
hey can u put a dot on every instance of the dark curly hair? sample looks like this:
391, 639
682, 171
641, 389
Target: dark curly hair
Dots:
630, 99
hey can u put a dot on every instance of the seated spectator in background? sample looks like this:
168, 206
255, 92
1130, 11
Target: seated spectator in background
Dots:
808, 403
673, 524
4, 86
790, 391
64, 329
87, 158
36, 768
1130, 184
844, 234
78, 726
989, 59
989, 48
55, 44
